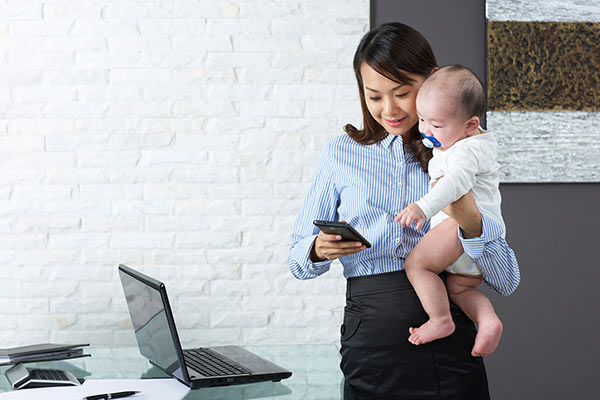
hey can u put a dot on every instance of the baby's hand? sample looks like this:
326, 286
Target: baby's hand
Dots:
410, 214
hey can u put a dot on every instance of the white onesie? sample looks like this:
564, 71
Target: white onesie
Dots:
469, 164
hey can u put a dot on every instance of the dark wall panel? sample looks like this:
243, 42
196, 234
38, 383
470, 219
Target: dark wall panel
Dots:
550, 348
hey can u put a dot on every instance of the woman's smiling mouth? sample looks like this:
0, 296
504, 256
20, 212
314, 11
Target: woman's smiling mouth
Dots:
394, 123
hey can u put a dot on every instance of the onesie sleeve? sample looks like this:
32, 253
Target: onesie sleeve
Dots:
458, 179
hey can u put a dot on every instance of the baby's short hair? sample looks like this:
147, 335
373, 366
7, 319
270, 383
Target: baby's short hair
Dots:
463, 82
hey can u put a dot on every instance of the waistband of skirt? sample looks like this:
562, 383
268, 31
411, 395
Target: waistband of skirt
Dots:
361, 285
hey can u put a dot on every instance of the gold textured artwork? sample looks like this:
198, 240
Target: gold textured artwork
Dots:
543, 66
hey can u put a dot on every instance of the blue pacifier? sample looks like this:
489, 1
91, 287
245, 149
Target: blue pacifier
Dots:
430, 141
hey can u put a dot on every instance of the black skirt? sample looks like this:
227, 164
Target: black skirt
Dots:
379, 362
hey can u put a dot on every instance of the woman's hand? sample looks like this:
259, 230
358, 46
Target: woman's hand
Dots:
330, 246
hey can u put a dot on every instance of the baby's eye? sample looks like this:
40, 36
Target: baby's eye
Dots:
374, 98
436, 126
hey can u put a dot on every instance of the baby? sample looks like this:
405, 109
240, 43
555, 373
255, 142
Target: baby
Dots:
449, 105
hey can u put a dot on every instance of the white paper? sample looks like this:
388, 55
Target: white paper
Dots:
151, 389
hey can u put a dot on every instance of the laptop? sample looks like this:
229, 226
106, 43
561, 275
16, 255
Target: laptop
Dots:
158, 341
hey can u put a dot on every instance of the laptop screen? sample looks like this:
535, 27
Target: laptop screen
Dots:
150, 323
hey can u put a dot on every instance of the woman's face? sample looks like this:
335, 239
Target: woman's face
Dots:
392, 105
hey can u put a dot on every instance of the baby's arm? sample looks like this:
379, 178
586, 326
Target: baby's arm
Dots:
458, 179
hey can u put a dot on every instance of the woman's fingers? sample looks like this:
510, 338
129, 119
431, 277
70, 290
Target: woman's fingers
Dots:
331, 246
333, 253
329, 237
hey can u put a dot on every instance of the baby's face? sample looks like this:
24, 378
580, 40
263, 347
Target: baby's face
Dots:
438, 117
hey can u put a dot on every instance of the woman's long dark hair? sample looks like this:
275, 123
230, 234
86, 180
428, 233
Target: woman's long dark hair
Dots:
391, 49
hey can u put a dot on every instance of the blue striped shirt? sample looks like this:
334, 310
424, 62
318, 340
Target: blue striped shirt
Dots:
367, 186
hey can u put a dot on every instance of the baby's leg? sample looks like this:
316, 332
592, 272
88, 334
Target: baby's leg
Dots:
439, 248
463, 292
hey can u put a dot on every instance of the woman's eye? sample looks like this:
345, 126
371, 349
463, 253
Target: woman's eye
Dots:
401, 95
374, 98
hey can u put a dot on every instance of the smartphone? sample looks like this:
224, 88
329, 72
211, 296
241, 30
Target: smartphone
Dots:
341, 228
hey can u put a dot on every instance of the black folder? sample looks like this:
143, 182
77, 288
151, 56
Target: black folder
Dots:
41, 352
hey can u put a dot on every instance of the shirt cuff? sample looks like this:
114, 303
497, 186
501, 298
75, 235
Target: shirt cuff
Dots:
491, 230
302, 253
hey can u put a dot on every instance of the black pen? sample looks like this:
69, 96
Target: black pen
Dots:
115, 395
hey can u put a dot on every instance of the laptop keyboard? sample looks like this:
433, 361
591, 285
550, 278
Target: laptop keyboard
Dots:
210, 363
48, 374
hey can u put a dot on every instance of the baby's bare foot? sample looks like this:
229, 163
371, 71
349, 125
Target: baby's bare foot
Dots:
488, 336
431, 330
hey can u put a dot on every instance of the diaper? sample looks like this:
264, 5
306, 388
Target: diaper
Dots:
464, 265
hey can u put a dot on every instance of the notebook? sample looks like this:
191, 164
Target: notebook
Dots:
158, 341
41, 352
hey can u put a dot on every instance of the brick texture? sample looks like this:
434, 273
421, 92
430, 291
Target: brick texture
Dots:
176, 136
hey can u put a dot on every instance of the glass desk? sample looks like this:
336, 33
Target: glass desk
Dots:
315, 372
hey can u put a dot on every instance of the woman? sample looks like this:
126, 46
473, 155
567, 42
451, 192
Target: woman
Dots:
366, 177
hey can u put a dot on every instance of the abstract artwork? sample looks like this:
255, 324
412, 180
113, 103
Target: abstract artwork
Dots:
543, 96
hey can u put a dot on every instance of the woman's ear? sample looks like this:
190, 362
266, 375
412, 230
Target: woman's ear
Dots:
472, 126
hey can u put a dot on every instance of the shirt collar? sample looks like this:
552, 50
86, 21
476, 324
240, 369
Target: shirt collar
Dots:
407, 151
389, 139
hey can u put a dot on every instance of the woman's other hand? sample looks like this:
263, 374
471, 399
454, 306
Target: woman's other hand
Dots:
466, 214
330, 246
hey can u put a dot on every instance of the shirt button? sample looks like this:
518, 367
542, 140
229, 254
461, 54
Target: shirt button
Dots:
399, 183
395, 258
397, 240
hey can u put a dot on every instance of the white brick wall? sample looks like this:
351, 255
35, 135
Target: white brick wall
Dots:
177, 136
